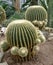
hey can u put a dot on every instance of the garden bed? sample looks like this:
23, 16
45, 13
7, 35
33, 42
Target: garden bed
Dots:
44, 57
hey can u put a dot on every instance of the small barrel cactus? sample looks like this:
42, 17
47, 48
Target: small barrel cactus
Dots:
4, 45
14, 50
35, 50
42, 38
38, 41
36, 13
2, 15
40, 24
23, 52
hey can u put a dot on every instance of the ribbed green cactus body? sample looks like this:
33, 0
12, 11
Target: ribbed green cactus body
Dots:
2, 14
22, 36
36, 13
21, 33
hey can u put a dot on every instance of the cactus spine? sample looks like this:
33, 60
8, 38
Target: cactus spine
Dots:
36, 13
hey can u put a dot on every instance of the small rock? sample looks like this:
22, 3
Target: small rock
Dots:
50, 38
4, 63
3, 30
51, 35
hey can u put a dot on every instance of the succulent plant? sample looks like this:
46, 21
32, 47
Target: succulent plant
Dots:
23, 52
42, 38
35, 49
2, 15
39, 32
22, 34
36, 13
38, 41
23, 37
4, 45
14, 50
40, 24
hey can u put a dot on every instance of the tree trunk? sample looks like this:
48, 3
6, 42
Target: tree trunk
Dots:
16, 4
34, 2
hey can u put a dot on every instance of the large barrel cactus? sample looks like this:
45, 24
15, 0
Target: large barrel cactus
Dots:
36, 13
2, 14
22, 34
23, 39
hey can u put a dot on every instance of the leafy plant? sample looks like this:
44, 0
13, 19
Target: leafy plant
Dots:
15, 16
8, 8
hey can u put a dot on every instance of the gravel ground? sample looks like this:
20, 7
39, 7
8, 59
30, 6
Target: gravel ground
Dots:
44, 57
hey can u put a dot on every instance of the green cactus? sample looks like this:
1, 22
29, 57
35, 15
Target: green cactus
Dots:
4, 45
21, 33
36, 13
23, 37
40, 24
23, 52
14, 50
2, 15
35, 50
38, 41
42, 38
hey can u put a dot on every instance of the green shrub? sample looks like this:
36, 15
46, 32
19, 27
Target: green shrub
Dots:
10, 10
14, 17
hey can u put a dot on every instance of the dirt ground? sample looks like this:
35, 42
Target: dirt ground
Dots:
44, 57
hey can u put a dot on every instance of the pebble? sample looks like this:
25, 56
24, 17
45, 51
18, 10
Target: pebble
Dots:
4, 63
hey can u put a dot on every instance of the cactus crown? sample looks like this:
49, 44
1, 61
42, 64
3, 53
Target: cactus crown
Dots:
2, 14
36, 13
